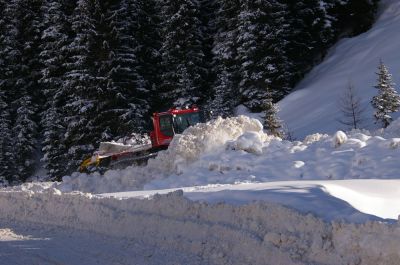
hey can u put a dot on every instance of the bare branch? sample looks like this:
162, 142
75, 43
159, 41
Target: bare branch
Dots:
351, 108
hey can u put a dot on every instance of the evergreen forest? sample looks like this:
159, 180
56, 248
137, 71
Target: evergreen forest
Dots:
77, 72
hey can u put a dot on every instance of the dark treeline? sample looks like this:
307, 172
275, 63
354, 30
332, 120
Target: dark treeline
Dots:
73, 73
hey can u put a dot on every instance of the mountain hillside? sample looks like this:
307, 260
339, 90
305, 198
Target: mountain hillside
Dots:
75, 73
313, 106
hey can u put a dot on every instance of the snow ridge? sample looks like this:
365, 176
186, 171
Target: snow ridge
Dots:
260, 233
227, 151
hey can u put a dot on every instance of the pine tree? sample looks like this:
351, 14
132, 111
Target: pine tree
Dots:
79, 82
310, 34
225, 86
252, 81
352, 17
52, 53
281, 83
20, 53
271, 122
149, 43
8, 61
4, 118
28, 98
208, 18
127, 110
24, 131
6, 155
225, 96
388, 100
259, 53
182, 55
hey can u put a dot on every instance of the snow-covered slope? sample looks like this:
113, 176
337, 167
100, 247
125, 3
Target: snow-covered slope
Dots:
313, 107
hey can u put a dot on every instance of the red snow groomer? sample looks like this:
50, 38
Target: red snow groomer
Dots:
166, 124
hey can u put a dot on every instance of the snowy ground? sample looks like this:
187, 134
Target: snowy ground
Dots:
227, 193
170, 229
223, 193
354, 201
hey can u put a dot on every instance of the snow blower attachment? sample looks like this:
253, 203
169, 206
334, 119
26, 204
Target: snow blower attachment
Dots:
112, 155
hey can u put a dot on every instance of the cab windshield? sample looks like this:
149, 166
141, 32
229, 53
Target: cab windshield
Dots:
183, 121
166, 125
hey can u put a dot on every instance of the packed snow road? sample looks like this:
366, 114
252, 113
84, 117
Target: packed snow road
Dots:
35, 244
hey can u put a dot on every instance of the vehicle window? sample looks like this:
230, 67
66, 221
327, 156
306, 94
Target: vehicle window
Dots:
166, 125
183, 121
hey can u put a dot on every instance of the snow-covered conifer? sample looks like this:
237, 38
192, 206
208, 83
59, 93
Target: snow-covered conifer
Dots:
225, 86
8, 61
19, 67
352, 17
148, 36
54, 40
182, 54
310, 34
24, 131
259, 53
124, 94
388, 100
271, 121
6, 148
80, 83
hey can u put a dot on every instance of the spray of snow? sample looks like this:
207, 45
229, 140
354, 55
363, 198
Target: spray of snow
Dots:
204, 138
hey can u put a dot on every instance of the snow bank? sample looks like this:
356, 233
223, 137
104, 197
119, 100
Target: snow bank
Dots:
250, 142
339, 138
195, 142
233, 150
341, 156
258, 233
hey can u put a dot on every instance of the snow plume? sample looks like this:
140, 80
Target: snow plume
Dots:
205, 138
258, 233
